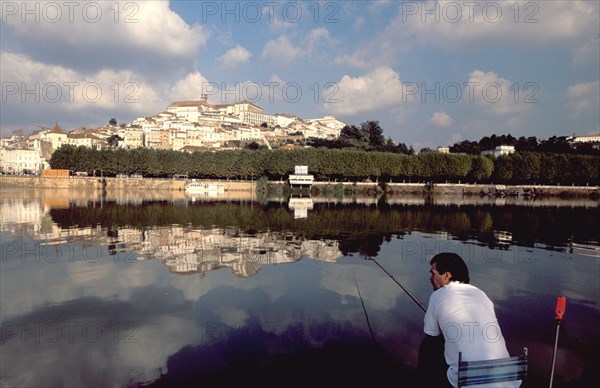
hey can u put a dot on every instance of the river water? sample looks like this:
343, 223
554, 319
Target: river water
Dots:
136, 289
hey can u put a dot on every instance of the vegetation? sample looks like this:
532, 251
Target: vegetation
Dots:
336, 165
353, 226
369, 137
358, 154
555, 144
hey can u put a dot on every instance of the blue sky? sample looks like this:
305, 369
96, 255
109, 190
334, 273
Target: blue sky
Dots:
432, 73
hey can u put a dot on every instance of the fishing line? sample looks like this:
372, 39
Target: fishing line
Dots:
398, 283
364, 309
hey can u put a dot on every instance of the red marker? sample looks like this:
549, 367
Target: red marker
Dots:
561, 304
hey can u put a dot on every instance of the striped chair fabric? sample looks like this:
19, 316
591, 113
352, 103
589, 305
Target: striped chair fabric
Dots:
492, 371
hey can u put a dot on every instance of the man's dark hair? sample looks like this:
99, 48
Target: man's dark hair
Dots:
453, 263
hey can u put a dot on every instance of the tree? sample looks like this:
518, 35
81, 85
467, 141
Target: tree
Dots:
482, 168
352, 136
555, 144
584, 169
113, 141
252, 146
526, 167
63, 158
466, 147
526, 144
112, 122
553, 167
373, 132
389, 145
503, 168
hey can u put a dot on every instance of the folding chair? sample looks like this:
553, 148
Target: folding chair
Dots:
492, 371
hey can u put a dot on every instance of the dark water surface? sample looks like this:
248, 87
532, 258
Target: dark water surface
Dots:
169, 291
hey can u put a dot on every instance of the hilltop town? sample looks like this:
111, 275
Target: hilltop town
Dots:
186, 126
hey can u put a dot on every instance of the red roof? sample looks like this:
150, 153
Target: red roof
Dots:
57, 129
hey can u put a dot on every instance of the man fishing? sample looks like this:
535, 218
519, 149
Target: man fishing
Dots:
464, 317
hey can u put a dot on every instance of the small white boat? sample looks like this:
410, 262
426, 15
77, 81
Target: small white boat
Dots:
204, 188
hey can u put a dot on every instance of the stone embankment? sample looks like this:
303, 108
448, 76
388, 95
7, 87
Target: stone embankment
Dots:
455, 189
109, 184
136, 184
537, 191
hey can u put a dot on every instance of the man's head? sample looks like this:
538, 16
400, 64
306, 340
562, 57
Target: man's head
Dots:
448, 267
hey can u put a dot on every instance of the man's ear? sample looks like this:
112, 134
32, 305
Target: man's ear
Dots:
448, 276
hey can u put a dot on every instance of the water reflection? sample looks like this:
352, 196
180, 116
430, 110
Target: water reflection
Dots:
96, 291
349, 224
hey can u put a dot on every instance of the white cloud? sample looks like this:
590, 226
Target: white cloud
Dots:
39, 84
461, 25
359, 22
235, 57
492, 93
441, 119
318, 37
281, 51
588, 54
189, 88
583, 97
144, 24
376, 5
46, 93
86, 61
479, 25
375, 90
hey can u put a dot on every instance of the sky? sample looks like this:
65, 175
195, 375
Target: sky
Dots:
432, 73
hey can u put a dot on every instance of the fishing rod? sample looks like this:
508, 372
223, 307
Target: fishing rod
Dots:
364, 309
561, 304
398, 283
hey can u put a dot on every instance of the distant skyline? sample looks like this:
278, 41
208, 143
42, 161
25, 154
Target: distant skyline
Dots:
432, 73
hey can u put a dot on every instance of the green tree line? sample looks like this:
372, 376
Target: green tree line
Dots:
554, 144
369, 137
335, 165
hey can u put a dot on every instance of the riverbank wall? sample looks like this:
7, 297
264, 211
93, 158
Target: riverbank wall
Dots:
391, 189
110, 183
458, 189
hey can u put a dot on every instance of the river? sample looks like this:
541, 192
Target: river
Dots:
164, 290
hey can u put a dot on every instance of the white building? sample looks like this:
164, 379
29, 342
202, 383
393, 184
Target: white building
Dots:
181, 125
189, 110
284, 120
133, 137
585, 139
16, 161
329, 122
257, 119
87, 140
56, 136
301, 177
247, 133
500, 150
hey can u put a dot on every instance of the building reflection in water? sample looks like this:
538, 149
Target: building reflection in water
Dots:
183, 249
200, 250
199, 247
300, 206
